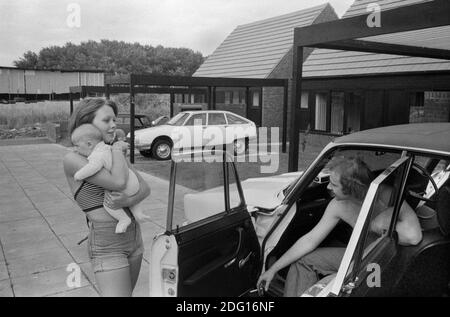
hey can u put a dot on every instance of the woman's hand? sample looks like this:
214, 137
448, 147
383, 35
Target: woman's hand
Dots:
116, 200
265, 279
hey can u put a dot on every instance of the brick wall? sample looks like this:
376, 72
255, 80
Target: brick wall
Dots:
436, 108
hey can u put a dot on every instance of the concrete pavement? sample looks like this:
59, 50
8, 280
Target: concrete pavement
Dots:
40, 225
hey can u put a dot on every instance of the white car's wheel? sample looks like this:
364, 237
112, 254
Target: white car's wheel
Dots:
162, 149
239, 146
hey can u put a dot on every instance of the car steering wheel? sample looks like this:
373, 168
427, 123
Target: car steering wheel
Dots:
424, 173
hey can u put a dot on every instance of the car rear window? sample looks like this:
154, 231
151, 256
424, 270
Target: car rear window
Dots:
232, 119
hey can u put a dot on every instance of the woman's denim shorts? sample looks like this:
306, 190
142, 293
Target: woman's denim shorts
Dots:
111, 251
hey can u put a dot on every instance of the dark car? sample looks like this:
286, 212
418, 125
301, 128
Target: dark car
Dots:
141, 121
223, 252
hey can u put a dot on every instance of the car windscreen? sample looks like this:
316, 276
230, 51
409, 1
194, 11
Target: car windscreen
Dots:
178, 119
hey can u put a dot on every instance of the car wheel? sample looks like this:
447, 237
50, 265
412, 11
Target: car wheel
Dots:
162, 149
146, 153
240, 146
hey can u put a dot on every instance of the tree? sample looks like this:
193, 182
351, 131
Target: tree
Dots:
29, 60
115, 57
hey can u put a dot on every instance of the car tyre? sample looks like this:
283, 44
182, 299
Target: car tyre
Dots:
162, 150
240, 146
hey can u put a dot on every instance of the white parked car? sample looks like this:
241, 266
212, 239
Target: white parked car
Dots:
195, 129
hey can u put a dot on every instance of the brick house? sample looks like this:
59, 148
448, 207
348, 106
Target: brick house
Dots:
262, 49
343, 91
346, 91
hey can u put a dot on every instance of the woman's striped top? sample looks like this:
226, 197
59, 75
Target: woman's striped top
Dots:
89, 196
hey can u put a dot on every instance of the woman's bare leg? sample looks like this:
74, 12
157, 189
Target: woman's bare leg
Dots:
135, 268
115, 283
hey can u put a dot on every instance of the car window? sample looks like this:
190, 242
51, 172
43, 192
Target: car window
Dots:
197, 119
178, 119
216, 119
200, 191
232, 119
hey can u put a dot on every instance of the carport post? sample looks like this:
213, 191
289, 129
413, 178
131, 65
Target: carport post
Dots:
131, 119
285, 105
209, 98
107, 91
71, 102
172, 100
297, 69
247, 100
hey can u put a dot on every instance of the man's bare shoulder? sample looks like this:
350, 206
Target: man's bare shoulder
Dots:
341, 208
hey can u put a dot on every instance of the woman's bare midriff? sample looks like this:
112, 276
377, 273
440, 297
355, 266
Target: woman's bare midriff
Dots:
99, 215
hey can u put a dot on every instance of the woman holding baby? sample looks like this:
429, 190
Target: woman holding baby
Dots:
115, 256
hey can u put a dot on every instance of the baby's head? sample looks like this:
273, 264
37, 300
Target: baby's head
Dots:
120, 135
85, 138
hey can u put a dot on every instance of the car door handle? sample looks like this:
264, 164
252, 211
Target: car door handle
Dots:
243, 261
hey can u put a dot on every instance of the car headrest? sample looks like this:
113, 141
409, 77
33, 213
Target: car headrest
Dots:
443, 210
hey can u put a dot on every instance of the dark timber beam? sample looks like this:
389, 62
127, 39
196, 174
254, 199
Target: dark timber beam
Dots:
385, 48
147, 79
407, 18
297, 68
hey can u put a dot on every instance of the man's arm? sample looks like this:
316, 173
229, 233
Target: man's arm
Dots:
408, 226
312, 239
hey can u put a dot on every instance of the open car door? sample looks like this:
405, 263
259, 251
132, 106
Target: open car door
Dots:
210, 247
370, 250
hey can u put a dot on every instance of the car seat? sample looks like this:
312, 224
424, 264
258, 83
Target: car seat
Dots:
424, 269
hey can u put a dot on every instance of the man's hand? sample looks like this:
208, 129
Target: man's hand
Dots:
265, 279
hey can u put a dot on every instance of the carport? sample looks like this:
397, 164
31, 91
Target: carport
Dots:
397, 35
155, 84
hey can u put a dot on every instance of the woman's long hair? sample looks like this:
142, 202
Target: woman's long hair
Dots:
86, 110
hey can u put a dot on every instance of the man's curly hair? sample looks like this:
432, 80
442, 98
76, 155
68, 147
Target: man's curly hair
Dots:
355, 175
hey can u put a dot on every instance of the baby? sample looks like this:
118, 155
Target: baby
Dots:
88, 141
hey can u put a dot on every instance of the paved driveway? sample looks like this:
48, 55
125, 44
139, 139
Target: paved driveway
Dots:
40, 225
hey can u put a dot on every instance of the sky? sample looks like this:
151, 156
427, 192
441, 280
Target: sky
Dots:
200, 25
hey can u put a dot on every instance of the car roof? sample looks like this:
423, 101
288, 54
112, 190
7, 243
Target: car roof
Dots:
138, 115
421, 136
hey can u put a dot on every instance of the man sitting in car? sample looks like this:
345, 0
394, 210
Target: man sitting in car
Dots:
349, 181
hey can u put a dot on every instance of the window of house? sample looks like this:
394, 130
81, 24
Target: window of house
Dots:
353, 111
337, 113
242, 97
228, 97
304, 101
235, 97
255, 98
320, 117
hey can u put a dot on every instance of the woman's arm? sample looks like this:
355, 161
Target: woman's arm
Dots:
115, 180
